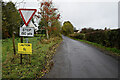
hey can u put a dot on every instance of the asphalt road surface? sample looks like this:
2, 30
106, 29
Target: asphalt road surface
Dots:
75, 59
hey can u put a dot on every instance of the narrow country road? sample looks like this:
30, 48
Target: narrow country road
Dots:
75, 59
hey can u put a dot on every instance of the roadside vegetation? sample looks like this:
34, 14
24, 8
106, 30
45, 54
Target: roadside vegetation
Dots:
42, 54
44, 42
105, 39
11, 20
113, 51
67, 28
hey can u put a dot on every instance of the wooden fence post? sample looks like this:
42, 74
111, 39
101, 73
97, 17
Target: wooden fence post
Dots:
14, 44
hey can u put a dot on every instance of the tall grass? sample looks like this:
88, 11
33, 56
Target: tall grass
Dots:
13, 69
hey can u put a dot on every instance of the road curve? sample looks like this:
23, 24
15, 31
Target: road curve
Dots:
75, 59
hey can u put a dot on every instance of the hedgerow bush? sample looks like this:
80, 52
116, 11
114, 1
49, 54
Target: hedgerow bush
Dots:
109, 38
78, 35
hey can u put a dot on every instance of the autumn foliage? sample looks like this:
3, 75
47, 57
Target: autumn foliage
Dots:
49, 16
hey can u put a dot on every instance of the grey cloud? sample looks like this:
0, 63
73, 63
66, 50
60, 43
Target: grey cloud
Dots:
90, 14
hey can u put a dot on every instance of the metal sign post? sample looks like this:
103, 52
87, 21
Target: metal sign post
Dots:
26, 40
21, 54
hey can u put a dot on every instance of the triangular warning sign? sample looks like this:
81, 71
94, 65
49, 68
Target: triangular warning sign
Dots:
27, 14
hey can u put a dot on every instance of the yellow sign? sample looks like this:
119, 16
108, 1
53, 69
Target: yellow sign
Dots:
24, 48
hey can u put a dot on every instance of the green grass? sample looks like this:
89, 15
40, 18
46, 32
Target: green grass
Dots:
113, 50
1, 59
38, 59
37, 35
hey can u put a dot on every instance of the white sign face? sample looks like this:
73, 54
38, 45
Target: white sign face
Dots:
27, 31
27, 14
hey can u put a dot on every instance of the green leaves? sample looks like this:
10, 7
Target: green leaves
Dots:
67, 28
10, 19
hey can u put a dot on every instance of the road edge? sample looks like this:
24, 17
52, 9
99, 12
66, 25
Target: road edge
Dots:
115, 56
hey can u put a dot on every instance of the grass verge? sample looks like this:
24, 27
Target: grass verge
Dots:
40, 58
110, 51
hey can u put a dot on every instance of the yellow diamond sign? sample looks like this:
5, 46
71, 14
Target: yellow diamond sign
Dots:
24, 48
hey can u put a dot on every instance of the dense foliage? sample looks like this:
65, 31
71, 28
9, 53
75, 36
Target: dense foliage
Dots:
49, 16
108, 38
67, 28
77, 35
88, 30
10, 19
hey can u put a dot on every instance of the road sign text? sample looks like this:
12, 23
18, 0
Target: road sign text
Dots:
24, 48
27, 31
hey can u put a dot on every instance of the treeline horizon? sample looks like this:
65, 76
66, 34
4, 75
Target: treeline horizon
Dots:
90, 29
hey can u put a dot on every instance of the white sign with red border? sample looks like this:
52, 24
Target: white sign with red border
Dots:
27, 15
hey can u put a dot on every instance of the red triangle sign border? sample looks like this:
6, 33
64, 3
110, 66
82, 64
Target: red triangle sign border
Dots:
26, 23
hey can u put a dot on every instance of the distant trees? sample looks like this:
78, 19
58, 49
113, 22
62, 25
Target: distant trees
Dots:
67, 28
89, 30
10, 19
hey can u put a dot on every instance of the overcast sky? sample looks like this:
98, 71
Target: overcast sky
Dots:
83, 13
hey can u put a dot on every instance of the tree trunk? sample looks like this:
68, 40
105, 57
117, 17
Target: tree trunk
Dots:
47, 34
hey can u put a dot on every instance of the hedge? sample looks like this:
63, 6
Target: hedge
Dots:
78, 35
109, 38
